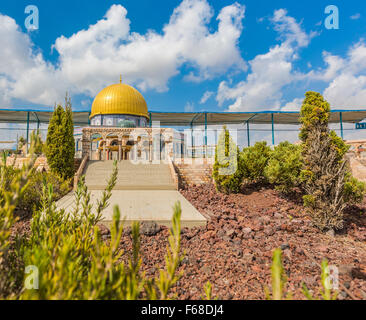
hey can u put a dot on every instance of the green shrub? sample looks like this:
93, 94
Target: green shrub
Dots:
72, 260
325, 174
255, 160
284, 166
13, 185
32, 196
38, 146
354, 190
60, 150
228, 168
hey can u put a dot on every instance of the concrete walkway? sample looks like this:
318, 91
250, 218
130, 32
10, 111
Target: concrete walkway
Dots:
142, 192
143, 205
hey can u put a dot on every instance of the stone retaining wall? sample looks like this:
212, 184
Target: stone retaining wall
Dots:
41, 162
194, 173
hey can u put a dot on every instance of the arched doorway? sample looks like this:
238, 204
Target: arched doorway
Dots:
95, 142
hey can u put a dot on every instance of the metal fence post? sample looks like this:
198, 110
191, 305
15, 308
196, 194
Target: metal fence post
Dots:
341, 123
273, 138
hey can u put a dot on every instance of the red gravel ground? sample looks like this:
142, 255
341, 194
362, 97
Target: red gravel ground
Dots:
234, 250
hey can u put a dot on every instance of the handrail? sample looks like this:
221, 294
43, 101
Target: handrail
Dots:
80, 171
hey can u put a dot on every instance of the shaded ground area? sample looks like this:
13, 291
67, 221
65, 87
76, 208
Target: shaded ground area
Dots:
234, 250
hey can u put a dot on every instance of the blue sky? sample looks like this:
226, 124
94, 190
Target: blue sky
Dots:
190, 55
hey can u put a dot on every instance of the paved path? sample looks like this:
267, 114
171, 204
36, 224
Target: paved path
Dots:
142, 192
143, 205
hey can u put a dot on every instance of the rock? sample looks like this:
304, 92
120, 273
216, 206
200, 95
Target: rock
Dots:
247, 257
230, 233
343, 295
345, 269
206, 270
330, 233
285, 246
358, 273
277, 215
149, 228
127, 231
226, 238
269, 231
104, 231
298, 250
208, 235
246, 230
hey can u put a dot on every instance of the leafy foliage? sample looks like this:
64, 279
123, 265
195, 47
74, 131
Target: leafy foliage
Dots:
228, 166
32, 198
284, 167
13, 185
255, 160
60, 150
73, 261
354, 190
38, 145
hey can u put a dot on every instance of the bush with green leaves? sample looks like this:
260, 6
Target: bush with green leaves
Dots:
284, 167
39, 146
13, 185
354, 190
32, 197
255, 160
72, 260
228, 166
326, 176
60, 150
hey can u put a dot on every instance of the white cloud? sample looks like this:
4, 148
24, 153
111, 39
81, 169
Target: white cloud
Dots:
270, 72
293, 105
189, 107
207, 95
93, 58
345, 76
23, 72
356, 16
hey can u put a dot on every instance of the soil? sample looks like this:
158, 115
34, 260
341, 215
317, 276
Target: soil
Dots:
234, 251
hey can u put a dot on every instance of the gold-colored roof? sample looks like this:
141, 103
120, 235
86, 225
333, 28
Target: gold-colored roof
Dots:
119, 99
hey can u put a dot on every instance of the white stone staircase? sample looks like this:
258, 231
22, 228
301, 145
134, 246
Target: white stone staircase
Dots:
130, 176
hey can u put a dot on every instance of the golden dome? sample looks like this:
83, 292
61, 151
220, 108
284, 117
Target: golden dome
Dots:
119, 99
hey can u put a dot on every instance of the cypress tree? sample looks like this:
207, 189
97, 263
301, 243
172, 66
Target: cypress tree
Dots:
228, 166
60, 150
328, 184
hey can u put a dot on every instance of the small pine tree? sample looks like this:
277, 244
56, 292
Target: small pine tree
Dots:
228, 168
60, 150
326, 172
